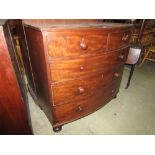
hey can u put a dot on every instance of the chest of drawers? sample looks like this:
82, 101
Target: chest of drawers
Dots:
76, 68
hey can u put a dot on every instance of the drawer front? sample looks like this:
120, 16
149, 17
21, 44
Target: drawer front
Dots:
62, 70
118, 40
77, 89
74, 44
77, 109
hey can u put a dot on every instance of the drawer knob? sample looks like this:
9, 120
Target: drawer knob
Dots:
83, 45
116, 74
81, 90
80, 109
121, 56
81, 68
125, 37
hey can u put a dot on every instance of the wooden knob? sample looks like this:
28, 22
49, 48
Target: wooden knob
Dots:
121, 56
81, 68
116, 74
81, 90
83, 45
80, 109
125, 37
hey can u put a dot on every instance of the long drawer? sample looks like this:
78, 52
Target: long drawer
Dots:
62, 70
64, 92
77, 109
74, 44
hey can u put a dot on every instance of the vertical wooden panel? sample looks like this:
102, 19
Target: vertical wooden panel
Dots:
13, 113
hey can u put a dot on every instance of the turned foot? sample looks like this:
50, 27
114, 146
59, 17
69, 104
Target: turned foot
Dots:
57, 129
115, 96
40, 107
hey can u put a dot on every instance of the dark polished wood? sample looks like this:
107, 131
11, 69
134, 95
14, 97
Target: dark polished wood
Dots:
134, 56
35, 44
80, 88
130, 76
75, 44
72, 68
26, 57
77, 67
14, 108
54, 21
77, 109
119, 39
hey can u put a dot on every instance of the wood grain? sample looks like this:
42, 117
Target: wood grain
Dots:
79, 88
77, 68
70, 44
13, 98
118, 40
66, 69
77, 109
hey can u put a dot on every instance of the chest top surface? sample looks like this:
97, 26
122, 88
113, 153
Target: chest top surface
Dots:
84, 25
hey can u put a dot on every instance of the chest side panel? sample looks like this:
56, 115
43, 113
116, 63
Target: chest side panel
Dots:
37, 51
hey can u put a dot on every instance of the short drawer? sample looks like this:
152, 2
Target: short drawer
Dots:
62, 70
61, 44
118, 40
77, 109
64, 92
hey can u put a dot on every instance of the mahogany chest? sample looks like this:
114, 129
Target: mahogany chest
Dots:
75, 68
